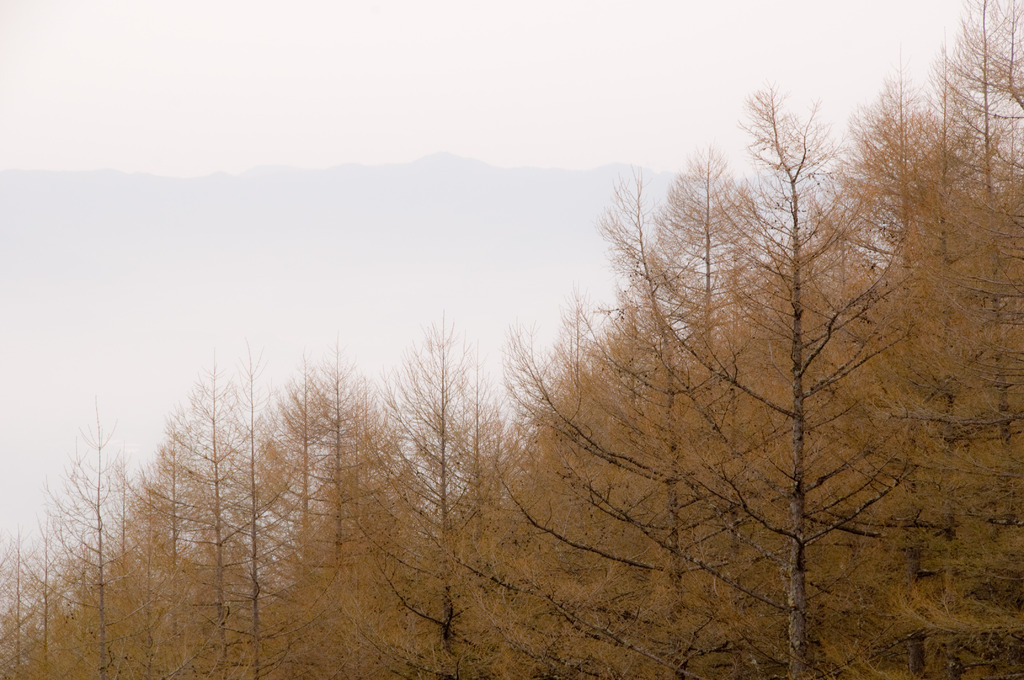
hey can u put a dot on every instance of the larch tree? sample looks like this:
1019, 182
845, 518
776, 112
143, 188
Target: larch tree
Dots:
432, 461
209, 449
260, 496
84, 520
816, 320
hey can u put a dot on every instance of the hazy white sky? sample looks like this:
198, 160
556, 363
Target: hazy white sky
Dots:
192, 87
189, 87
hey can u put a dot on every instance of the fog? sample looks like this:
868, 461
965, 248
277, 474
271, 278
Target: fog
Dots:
125, 288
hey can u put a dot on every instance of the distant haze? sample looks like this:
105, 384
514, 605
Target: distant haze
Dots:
123, 288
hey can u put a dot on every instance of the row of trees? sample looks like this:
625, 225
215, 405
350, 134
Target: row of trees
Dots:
789, 448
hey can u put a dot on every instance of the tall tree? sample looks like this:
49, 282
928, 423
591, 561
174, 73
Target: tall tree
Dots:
83, 507
259, 497
434, 467
202, 431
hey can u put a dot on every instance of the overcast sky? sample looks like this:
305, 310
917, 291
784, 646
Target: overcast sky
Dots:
189, 87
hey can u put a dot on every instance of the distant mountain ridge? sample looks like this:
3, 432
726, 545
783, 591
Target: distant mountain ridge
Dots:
449, 197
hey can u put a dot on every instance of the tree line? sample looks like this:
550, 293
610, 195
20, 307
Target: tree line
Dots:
790, 447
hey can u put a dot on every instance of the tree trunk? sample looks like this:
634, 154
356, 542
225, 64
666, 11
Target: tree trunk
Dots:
915, 645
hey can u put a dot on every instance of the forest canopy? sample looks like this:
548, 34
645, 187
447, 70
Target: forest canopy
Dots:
790, 447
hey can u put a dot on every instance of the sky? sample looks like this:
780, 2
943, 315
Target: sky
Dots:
188, 88
191, 87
